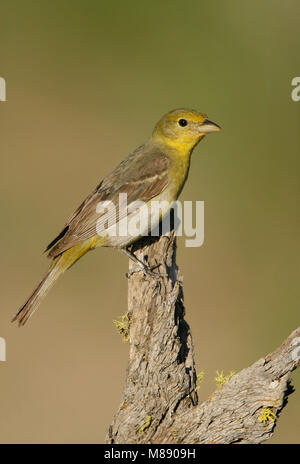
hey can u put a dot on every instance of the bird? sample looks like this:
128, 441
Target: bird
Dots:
156, 170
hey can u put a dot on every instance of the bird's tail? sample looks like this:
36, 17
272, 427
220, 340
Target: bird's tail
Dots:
60, 264
40, 292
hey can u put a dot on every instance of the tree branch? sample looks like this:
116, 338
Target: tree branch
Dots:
159, 403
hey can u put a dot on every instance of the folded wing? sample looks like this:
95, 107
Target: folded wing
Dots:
142, 176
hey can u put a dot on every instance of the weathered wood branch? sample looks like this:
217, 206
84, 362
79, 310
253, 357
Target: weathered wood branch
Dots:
159, 403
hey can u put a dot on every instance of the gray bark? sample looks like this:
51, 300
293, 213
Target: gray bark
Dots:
159, 403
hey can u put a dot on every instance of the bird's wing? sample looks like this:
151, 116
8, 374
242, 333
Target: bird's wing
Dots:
142, 176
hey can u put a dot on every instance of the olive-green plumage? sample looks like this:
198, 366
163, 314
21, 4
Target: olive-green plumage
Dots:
157, 170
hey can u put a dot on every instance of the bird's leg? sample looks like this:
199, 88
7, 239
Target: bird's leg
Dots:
141, 265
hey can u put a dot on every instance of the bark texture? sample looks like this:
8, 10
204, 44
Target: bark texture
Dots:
159, 403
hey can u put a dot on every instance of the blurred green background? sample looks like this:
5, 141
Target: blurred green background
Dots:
86, 82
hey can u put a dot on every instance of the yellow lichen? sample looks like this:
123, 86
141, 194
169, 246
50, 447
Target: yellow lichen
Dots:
200, 377
123, 326
146, 424
267, 415
124, 405
221, 378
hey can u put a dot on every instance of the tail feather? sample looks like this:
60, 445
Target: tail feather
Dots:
59, 265
39, 293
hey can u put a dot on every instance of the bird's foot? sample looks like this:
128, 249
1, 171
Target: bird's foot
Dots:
147, 269
141, 266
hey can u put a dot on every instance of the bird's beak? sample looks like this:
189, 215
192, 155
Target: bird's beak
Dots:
208, 126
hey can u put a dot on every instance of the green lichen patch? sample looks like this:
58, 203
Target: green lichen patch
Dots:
267, 415
123, 326
221, 378
145, 425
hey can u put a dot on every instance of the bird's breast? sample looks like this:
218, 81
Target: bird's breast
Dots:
178, 174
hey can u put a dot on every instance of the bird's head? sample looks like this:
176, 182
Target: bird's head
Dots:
182, 129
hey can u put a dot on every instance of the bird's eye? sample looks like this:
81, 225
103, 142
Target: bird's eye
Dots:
182, 122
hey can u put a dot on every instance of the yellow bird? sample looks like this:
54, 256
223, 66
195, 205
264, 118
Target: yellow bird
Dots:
157, 170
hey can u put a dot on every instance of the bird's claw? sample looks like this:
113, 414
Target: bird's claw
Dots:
147, 269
